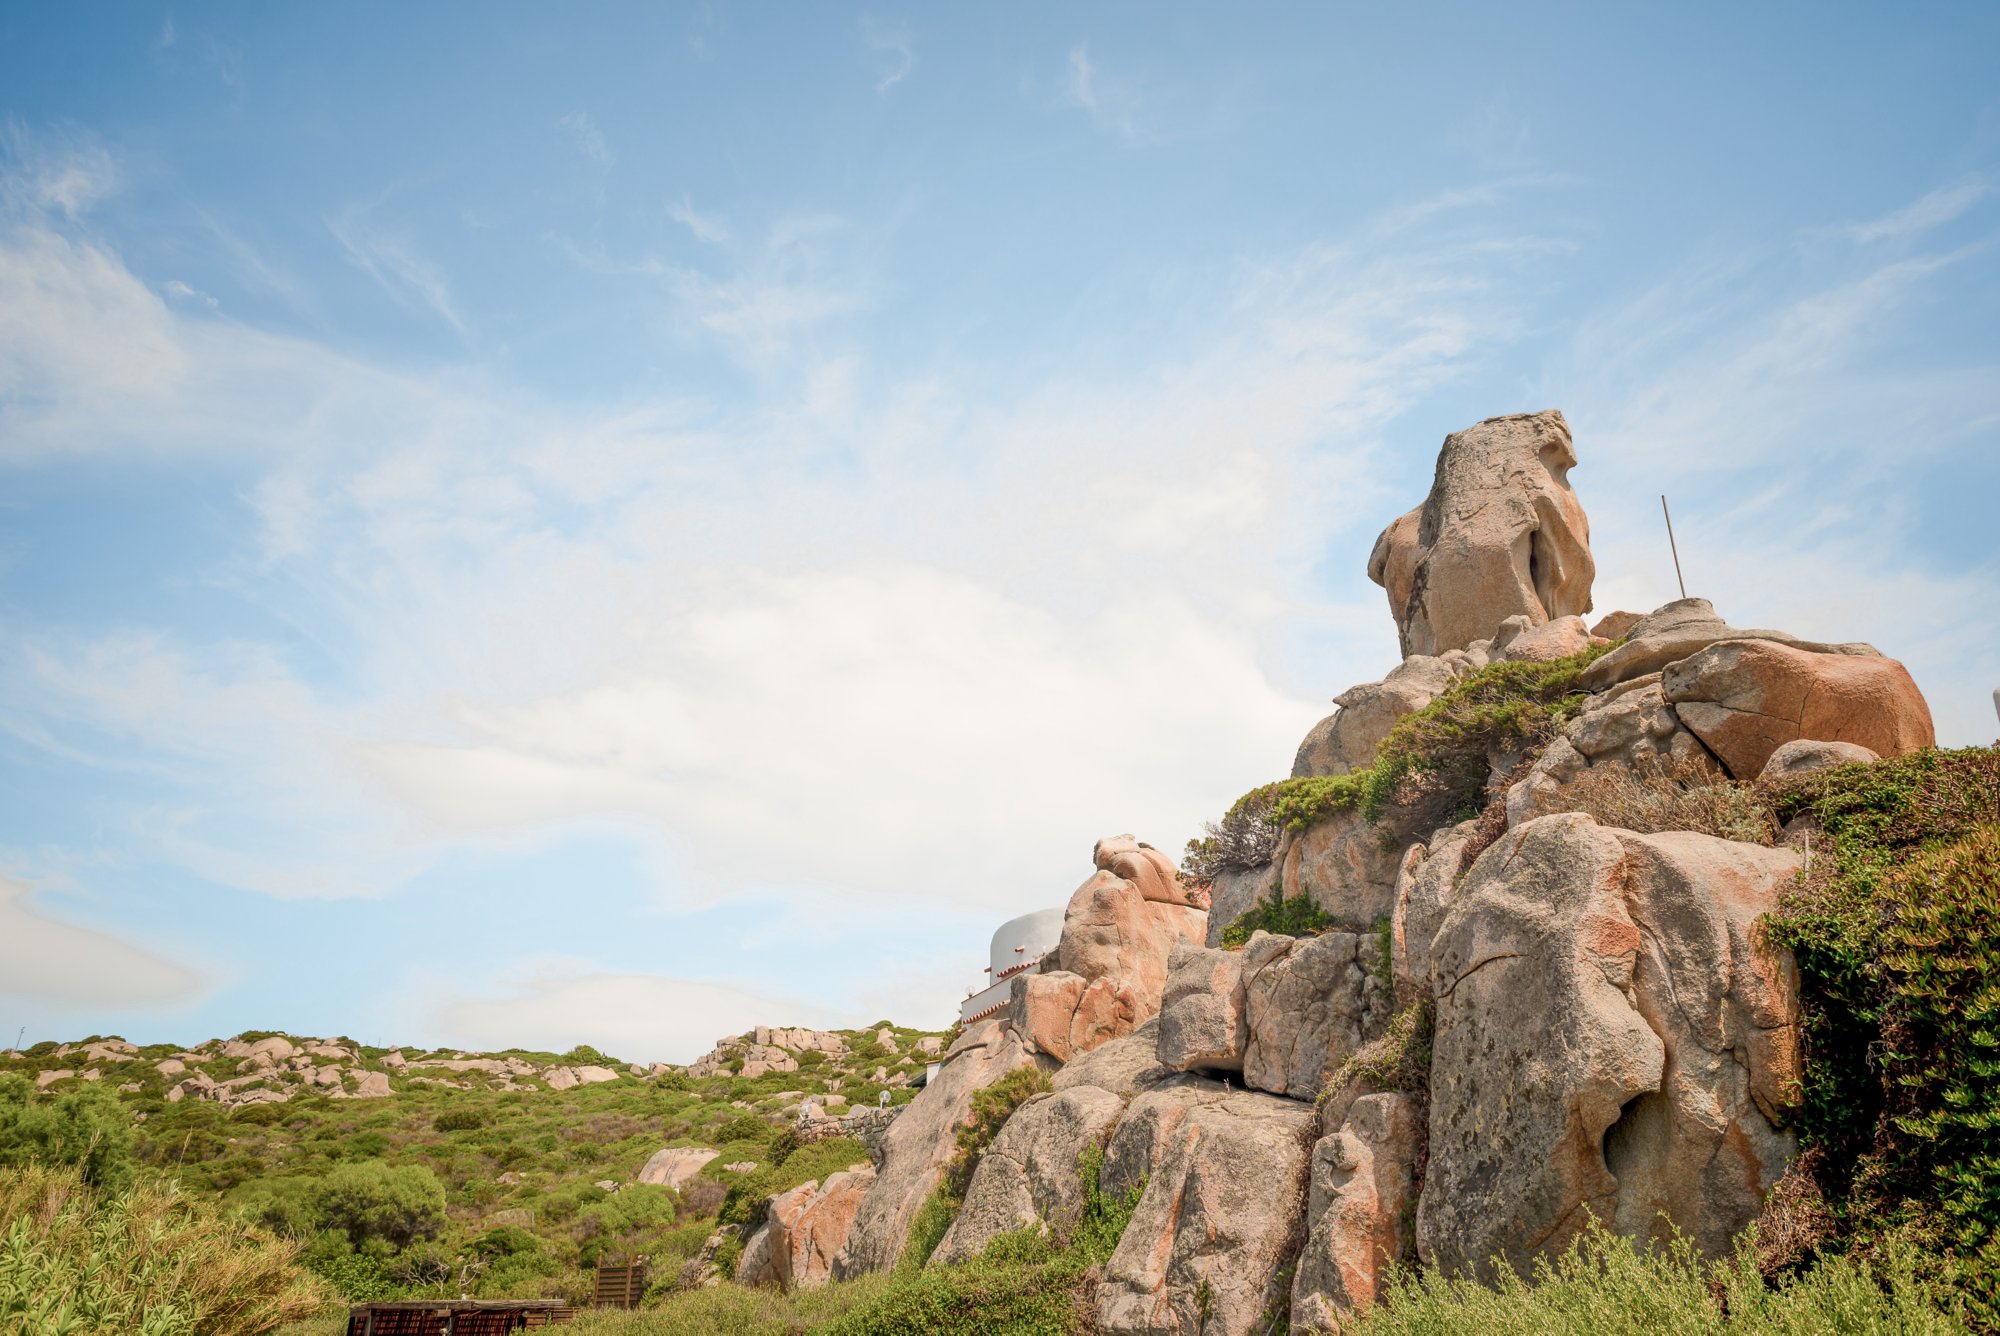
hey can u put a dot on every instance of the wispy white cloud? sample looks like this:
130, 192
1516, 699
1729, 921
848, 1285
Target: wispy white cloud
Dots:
1935, 209
705, 227
1113, 103
588, 138
893, 42
180, 290
393, 262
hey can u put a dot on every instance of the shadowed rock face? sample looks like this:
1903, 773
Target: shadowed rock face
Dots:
1501, 534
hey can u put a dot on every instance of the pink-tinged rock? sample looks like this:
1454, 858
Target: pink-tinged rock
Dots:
1425, 884
810, 1224
1221, 1213
1201, 1012
1363, 1181
1117, 941
1030, 1177
1613, 1037
1681, 628
1520, 639
1145, 867
1346, 740
43, 1080
1342, 865
371, 1085
1063, 1014
1308, 1004
1501, 534
1616, 625
1746, 698
920, 1143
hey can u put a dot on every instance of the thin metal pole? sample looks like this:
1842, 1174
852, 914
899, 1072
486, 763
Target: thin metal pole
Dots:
1671, 547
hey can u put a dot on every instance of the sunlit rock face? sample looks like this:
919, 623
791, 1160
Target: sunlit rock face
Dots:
1500, 535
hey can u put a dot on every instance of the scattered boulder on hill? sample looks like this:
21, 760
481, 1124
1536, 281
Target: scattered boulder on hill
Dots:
1803, 757
1500, 534
675, 1166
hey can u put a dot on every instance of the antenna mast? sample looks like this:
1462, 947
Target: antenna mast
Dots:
1672, 547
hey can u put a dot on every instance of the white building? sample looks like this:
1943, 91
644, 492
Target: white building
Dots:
1018, 948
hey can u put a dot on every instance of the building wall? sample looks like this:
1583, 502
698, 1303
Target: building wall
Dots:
1017, 947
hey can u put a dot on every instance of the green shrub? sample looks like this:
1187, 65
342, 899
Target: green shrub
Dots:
374, 1201
85, 1128
1657, 793
458, 1120
1243, 840
748, 1194
1602, 1286
1295, 916
746, 1127
74, 1258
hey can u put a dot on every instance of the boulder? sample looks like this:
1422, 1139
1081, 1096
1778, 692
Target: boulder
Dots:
920, 1143
1363, 1180
1031, 1176
1342, 863
1346, 739
1145, 867
1221, 1213
1124, 1066
1501, 534
810, 1224
1521, 640
371, 1085
1683, 627
1232, 893
1804, 756
170, 1066
1629, 723
674, 1167
1308, 1004
1201, 1013
43, 1080
1612, 1037
1425, 883
1746, 698
1063, 1014
1616, 625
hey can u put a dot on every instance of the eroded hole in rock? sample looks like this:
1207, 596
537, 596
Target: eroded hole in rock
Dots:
1636, 1139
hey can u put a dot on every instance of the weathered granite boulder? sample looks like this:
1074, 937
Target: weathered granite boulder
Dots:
1746, 698
1520, 639
803, 1229
1031, 1176
1629, 723
1612, 1037
1796, 759
1344, 864
921, 1142
1232, 893
1201, 1012
1346, 739
675, 1166
1111, 960
1681, 628
1500, 534
1222, 1211
1363, 1178
1308, 1004
1425, 884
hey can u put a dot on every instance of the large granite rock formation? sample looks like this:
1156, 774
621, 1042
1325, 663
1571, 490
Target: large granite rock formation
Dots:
1358, 1209
1500, 534
1612, 1038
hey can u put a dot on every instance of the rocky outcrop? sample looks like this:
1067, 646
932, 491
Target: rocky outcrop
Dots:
1232, 894
1201, 1013
1500, 534
1680, 629
1363, 1179
921, 1142
1611, 1039
1221, 1214
1345, 740
1030, 1177
1746, 698
1630, 723
1308, 1004
1343, 865
1111, 962
803, 1230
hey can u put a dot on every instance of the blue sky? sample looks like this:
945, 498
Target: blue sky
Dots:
532, 524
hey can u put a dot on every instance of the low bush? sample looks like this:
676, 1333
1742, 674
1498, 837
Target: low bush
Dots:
458, 1120
1243, 840
85, 1129
1296, 916
1603, 1286
748, 1194
75, 1258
